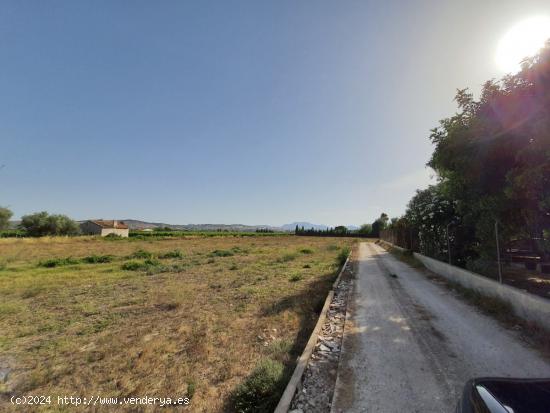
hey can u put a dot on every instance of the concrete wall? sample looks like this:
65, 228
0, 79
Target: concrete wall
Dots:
116, 231
527, 306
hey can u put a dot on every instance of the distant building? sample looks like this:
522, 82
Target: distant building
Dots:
105, 227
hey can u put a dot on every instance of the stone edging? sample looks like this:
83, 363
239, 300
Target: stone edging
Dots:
286, 398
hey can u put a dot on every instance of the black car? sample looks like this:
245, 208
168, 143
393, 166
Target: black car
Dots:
498, 395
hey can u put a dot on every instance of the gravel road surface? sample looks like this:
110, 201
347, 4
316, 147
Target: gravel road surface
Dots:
410, 344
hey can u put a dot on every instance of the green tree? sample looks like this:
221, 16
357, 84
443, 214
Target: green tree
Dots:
41, 223
380, 224
365, 229
5, 216
493, 159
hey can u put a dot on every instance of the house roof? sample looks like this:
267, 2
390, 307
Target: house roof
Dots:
110, 224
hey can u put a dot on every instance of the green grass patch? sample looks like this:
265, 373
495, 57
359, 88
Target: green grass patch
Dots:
343, 256
172, 254
141, 254
295, 277
58, 262
261, 391
97, 259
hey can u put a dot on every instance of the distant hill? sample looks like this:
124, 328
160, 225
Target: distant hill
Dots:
306, 225
136, 224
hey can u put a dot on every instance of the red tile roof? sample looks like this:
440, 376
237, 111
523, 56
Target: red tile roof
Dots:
110, 224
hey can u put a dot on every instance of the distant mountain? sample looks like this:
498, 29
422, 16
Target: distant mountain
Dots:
136, 224
306, 225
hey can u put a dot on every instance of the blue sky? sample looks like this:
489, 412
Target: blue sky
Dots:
249, 112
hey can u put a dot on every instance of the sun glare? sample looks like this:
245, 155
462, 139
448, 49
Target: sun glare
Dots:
523, 40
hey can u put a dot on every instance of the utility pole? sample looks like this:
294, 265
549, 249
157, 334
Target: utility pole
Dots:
498, 253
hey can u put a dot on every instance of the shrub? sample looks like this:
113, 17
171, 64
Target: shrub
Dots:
306, 251
132, 266
57, 262
97, 259
41, 223
172, 254
343, 256
151, 262
307, 266
141, 254
150, 266
295, 277
261, 391
5, 215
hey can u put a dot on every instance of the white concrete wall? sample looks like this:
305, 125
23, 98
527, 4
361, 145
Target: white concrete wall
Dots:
119, 232
525, 305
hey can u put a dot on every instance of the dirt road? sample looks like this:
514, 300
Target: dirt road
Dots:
410, 344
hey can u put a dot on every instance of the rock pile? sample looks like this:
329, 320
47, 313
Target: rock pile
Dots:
317, 387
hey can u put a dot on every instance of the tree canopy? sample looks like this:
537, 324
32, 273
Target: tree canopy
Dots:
41, 223
5, 216
493, 162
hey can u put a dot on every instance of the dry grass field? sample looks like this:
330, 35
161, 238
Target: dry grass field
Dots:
162, 317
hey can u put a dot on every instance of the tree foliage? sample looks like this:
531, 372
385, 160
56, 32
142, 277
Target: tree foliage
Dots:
493, 162
5, 216
41, 223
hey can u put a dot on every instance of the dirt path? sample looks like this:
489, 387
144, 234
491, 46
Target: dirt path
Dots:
410, 344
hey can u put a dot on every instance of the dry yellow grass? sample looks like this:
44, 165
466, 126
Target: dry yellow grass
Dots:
95, 329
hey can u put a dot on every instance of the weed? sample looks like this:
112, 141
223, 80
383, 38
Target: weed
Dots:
57, 262
260, 392
295, 277
280, 349
343, 256
97, 259
142, 254
222, 253
172, 254
306, 266
191, 388
131, 266
233, 267
306, 251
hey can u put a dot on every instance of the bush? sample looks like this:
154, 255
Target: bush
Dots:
141, 254
150, 266
343, 256
295, 277
172, 254
261, 391
57, 262
41, 223
5, 215
132, 266
306, 251
97, 259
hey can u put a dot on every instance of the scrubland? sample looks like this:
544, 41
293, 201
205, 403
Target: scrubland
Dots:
197, 316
